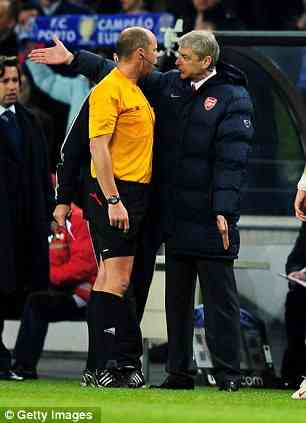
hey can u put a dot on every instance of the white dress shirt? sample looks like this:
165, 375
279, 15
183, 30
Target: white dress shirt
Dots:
197, 84
3, 109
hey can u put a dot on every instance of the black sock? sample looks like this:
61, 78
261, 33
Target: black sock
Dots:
105, 314
91, 317
129, 339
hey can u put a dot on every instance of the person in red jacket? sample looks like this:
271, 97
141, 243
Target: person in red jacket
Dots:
73, 270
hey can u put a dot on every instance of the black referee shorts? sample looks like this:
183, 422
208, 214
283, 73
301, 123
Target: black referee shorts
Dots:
111, 241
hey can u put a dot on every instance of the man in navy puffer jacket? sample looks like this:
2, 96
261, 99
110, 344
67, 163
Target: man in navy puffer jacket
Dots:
204, 126
202, 144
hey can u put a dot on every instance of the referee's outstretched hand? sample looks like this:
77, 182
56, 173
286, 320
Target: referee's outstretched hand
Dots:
223, 229
118, 216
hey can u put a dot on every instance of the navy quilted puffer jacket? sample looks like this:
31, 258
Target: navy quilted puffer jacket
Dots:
202, 148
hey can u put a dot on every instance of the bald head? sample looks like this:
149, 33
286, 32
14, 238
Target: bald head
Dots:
132, 39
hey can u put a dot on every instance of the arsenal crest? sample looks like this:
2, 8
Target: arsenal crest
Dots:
210, 103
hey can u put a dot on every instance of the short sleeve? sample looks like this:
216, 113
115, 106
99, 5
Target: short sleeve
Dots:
103, 110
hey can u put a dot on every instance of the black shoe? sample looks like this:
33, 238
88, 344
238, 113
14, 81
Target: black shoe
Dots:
176, 382
110, 378
21, 371
88, 379
133, 378
230, 385
10, 375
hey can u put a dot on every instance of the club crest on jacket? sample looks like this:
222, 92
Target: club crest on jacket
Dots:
210, 103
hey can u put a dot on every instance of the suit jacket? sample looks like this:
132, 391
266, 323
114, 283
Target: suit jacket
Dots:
26, 208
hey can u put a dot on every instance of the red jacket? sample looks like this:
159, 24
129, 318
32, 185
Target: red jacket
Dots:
72, 259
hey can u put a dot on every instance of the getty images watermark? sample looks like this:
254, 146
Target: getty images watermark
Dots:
50, 415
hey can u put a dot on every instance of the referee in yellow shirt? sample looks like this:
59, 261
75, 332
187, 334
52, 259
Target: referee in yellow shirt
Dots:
121, 123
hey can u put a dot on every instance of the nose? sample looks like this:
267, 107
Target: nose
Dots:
12, 86
177, 62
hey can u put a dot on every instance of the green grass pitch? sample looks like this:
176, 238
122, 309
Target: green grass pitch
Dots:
148, 405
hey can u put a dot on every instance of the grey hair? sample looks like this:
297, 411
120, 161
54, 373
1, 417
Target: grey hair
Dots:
202, 43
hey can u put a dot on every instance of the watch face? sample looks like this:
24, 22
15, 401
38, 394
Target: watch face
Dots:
113, 200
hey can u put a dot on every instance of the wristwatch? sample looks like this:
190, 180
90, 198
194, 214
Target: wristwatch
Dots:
113, 199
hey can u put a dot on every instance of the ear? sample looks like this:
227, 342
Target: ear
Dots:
207, 61
141, 51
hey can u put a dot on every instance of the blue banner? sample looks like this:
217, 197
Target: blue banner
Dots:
92, 30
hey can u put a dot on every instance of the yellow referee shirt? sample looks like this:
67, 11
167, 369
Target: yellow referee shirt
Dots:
118, 107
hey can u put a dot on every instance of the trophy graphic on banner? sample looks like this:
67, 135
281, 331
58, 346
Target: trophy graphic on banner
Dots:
87, 26
171, 37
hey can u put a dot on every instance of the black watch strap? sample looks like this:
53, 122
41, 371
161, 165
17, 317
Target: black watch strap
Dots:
113, 199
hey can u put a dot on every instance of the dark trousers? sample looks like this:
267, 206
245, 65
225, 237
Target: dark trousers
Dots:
129, 347
11, 307
40, 309
222, 314
5, 355
294, 360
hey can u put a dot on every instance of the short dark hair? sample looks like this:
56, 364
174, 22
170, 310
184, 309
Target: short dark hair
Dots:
9, 61
130, 40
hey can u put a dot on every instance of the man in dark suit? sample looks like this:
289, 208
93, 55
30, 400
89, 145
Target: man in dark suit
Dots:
26, 204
